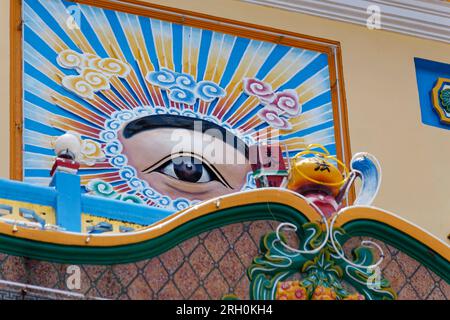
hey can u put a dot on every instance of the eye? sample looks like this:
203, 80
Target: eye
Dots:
186, 169
189, 169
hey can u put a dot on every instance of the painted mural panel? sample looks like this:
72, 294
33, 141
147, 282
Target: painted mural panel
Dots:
125, 84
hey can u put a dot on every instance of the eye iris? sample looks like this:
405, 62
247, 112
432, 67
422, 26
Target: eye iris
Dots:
186, 169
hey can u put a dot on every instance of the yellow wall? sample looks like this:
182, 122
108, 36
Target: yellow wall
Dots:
4, 89
382, 100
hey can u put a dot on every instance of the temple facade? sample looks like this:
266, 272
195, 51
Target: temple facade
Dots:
223, 149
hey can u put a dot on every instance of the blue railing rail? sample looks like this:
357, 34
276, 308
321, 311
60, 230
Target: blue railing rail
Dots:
65, 197
20, 191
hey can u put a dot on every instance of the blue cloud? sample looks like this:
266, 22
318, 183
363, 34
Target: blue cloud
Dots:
208, 91
183, 88
165, 78
180, 95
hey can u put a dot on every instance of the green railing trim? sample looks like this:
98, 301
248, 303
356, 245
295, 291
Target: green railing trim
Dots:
401, 241
262, 211
150, 248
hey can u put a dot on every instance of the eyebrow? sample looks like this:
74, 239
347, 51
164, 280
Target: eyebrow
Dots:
181, 122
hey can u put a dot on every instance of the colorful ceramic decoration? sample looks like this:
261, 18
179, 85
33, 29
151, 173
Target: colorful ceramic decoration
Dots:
322, 266
441, 99
116, 72
325, 180
433, 82
269, 167
320, 257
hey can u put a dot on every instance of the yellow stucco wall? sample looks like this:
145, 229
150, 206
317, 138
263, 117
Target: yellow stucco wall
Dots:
4, 89
382, 100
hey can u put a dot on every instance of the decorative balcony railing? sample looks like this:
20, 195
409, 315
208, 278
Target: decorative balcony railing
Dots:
63, 206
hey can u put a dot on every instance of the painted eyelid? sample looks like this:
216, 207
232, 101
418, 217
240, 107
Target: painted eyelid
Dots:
166, 159
157, 165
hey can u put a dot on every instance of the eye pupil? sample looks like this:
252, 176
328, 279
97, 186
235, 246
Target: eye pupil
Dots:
187, 170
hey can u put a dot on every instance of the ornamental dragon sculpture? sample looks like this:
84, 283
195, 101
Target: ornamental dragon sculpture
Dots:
318, 269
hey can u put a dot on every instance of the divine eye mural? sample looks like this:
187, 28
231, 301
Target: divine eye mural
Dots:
125, 85
137, 128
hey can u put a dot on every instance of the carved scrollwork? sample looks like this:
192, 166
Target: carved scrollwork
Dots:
321, 264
